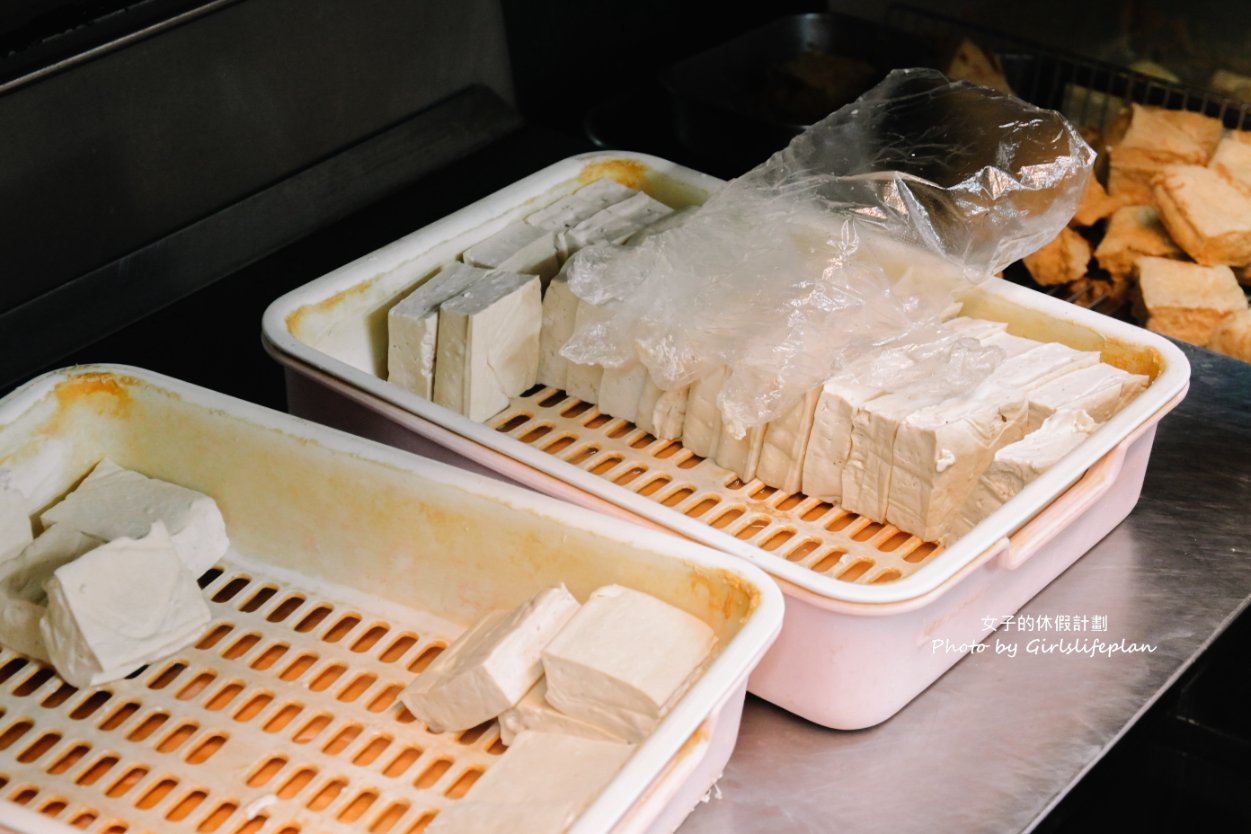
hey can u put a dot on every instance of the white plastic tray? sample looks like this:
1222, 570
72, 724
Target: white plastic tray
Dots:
331, 337
352, 564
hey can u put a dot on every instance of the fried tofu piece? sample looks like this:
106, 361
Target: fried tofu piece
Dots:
1206, 214
972, 63
1155, 139
1062, 260
1233, 336
1133, 231
1095, 205
1184, 300
1233, 160
1089, 292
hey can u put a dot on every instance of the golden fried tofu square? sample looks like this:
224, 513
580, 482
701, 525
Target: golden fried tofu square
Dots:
1233, 336
1095, 205
1154, 139
1133, 231
1062, 260
1206, 214
1233, 159
1184, 300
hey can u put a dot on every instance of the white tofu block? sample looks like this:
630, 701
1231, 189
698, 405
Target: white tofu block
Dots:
120, 606
941, 451
620, 390
491, 666
587, 201
413, 327
1019, 463
701, 428
39, 476
664, 224
15, 529
979, 329
488, 344
22, 579
113, 502
533, 712
740, 455
662, 413
786, 443
614, 224
560, 313
518, 247
539, 786
1099, 390
1040, 364
623, 659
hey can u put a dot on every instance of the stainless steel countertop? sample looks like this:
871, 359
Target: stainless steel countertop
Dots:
995, 743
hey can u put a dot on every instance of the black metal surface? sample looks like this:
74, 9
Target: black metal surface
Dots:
729, 102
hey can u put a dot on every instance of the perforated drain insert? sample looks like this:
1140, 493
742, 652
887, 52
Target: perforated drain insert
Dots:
807, 531
283, 719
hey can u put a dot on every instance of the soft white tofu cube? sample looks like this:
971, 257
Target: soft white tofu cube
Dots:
582, 381
120, 606
867, 473
113, 502
518, 247
539, 786
533, 712
1019, 463
413, 327
488, 344
587, 201
740, 455
664, 224
620, 390
623, 659
22, 598
785, 444
829, 442
491, 666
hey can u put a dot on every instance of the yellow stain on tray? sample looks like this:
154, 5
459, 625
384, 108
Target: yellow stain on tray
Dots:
628, 172
108, 394
296, 319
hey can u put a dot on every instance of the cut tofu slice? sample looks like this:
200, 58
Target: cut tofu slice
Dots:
1062, 260
15, 529
1095, 205
620, 390
582, 381
560, 312
1099, 390
1233, 160
491, 666
587, 201
664, 224
488, 344
785, 444
518, 247
662, 413
1157, 138
867, 473
23, 601
1133, 231
623, 660
538, 786
1184, 300
113, 502
120, 606
701, 428
1233, 336
533, 712
614, 224
1019, 463
740, 455
413, 326
1206, 214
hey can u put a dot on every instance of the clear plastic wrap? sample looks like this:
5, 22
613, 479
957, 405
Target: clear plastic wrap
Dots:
857, 237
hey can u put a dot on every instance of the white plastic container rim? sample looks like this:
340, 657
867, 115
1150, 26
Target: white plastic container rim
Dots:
677, 732
494, 211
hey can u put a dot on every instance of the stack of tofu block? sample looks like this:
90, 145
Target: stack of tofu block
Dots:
885, 450
574, 687
109, 585
471, 336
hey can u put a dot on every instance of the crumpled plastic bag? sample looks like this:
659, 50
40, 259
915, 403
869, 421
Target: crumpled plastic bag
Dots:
858, 236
